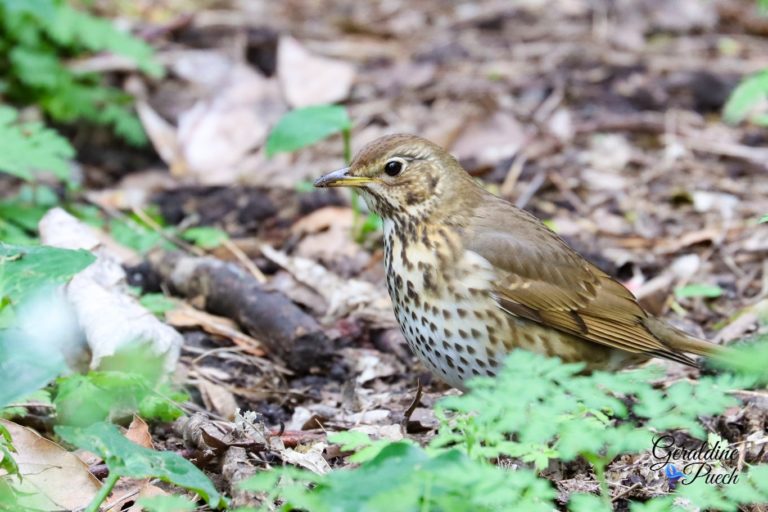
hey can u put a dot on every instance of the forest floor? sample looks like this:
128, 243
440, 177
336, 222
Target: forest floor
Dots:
602, 118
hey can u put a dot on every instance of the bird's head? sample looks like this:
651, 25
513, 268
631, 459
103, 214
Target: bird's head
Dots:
401, 175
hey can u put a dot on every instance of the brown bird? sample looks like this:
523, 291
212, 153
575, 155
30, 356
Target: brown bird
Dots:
473, 278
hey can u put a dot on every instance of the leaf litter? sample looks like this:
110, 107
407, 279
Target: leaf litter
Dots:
591, 116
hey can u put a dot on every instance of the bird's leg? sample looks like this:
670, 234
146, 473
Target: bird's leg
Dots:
411, 408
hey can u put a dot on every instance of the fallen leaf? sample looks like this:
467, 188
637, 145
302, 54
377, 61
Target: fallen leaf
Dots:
138, 432
308, 457
309, 79
218, 133
218, 398
53, 478
367, 364
326, 235
345, 297
187, 316
490, 140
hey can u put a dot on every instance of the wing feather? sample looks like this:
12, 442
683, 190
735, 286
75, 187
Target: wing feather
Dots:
542, 279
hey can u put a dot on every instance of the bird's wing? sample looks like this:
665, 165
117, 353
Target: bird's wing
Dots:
542, 279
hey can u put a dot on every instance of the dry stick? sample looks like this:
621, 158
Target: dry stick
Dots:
245, 260
268, 315
536, 183
513, 174
626, 491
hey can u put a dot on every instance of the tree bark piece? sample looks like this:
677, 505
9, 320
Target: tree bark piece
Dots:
285, 330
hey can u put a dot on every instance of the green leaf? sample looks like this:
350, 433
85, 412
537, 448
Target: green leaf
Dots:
136, 235
71, 27
7, 462
131, 460
748, 94
166, 504
101, 395
157, 303
25, 367
24, 270
29, 148
305, 126
205, 237
159, 408
587, 503
709, 291
763, 219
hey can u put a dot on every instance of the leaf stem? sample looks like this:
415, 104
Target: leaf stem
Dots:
109, 484
598, 464
357, 234
346, 135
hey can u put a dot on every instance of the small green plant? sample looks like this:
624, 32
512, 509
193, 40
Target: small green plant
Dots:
166, 504
405, 477
24, 270
126, 459
744, 101
763, 219
205, 237
305, 126
157, 303
113, 395
8, 499
536, 410
37, 40
28, 148
142, 233
7, 463
708, 291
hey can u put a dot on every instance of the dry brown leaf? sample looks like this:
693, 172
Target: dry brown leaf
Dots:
138, 432
327, 235
53, 478
219, 133
367, 364
218, 398
491, 140
345, 297
309, 457
186, 316
163, 136
309, 79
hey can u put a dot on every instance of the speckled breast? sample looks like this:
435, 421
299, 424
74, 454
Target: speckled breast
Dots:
443, 302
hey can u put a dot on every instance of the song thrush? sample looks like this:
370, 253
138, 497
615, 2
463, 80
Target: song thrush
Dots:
472, 277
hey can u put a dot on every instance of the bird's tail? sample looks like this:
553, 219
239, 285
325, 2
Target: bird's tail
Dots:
680, 341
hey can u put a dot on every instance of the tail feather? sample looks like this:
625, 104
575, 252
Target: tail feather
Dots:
680, 341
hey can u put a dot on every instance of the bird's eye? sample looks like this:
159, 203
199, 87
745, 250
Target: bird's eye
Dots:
393, 167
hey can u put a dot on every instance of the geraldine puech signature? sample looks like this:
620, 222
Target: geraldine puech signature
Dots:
687, 465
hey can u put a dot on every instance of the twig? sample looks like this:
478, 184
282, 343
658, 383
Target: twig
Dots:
626, 491
245, 260
530, 191
149, 221
513, 174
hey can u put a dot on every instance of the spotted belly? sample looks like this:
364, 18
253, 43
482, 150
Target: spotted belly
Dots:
456, 328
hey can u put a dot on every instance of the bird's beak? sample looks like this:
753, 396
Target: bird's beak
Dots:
341, 178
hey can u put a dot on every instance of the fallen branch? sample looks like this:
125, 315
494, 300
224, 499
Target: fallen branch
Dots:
286, 331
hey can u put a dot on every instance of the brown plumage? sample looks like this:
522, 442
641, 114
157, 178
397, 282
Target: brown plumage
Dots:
472, 277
